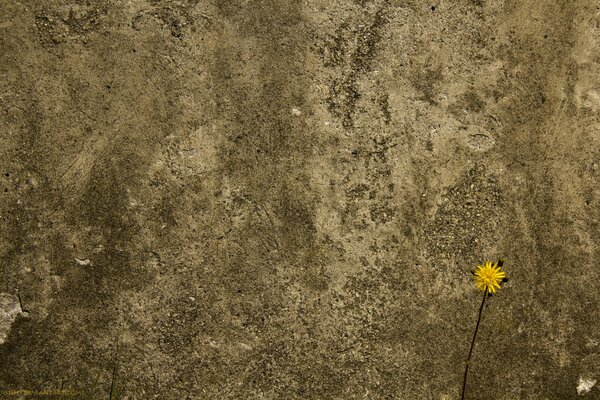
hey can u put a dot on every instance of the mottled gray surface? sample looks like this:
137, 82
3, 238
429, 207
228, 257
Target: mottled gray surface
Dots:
275, 199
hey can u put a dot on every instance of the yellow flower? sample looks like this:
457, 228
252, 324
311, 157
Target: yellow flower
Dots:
488, 277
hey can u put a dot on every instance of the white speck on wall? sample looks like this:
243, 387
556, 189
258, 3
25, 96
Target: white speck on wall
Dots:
296, 111
84, 261
585, 385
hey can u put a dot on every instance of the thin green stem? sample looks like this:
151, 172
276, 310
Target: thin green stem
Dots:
464, 387
114, 371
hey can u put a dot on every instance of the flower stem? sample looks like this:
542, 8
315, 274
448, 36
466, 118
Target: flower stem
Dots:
464, 387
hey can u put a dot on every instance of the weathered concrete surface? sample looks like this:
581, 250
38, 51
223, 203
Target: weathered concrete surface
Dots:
274, 199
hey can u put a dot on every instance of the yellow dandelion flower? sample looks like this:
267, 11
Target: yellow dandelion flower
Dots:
488, 277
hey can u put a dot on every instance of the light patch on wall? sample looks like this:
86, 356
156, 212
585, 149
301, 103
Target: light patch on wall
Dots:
9, 309
585, 385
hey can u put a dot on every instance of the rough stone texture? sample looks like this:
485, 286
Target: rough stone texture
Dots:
275, 199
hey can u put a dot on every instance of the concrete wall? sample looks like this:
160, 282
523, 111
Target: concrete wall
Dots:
282, 199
